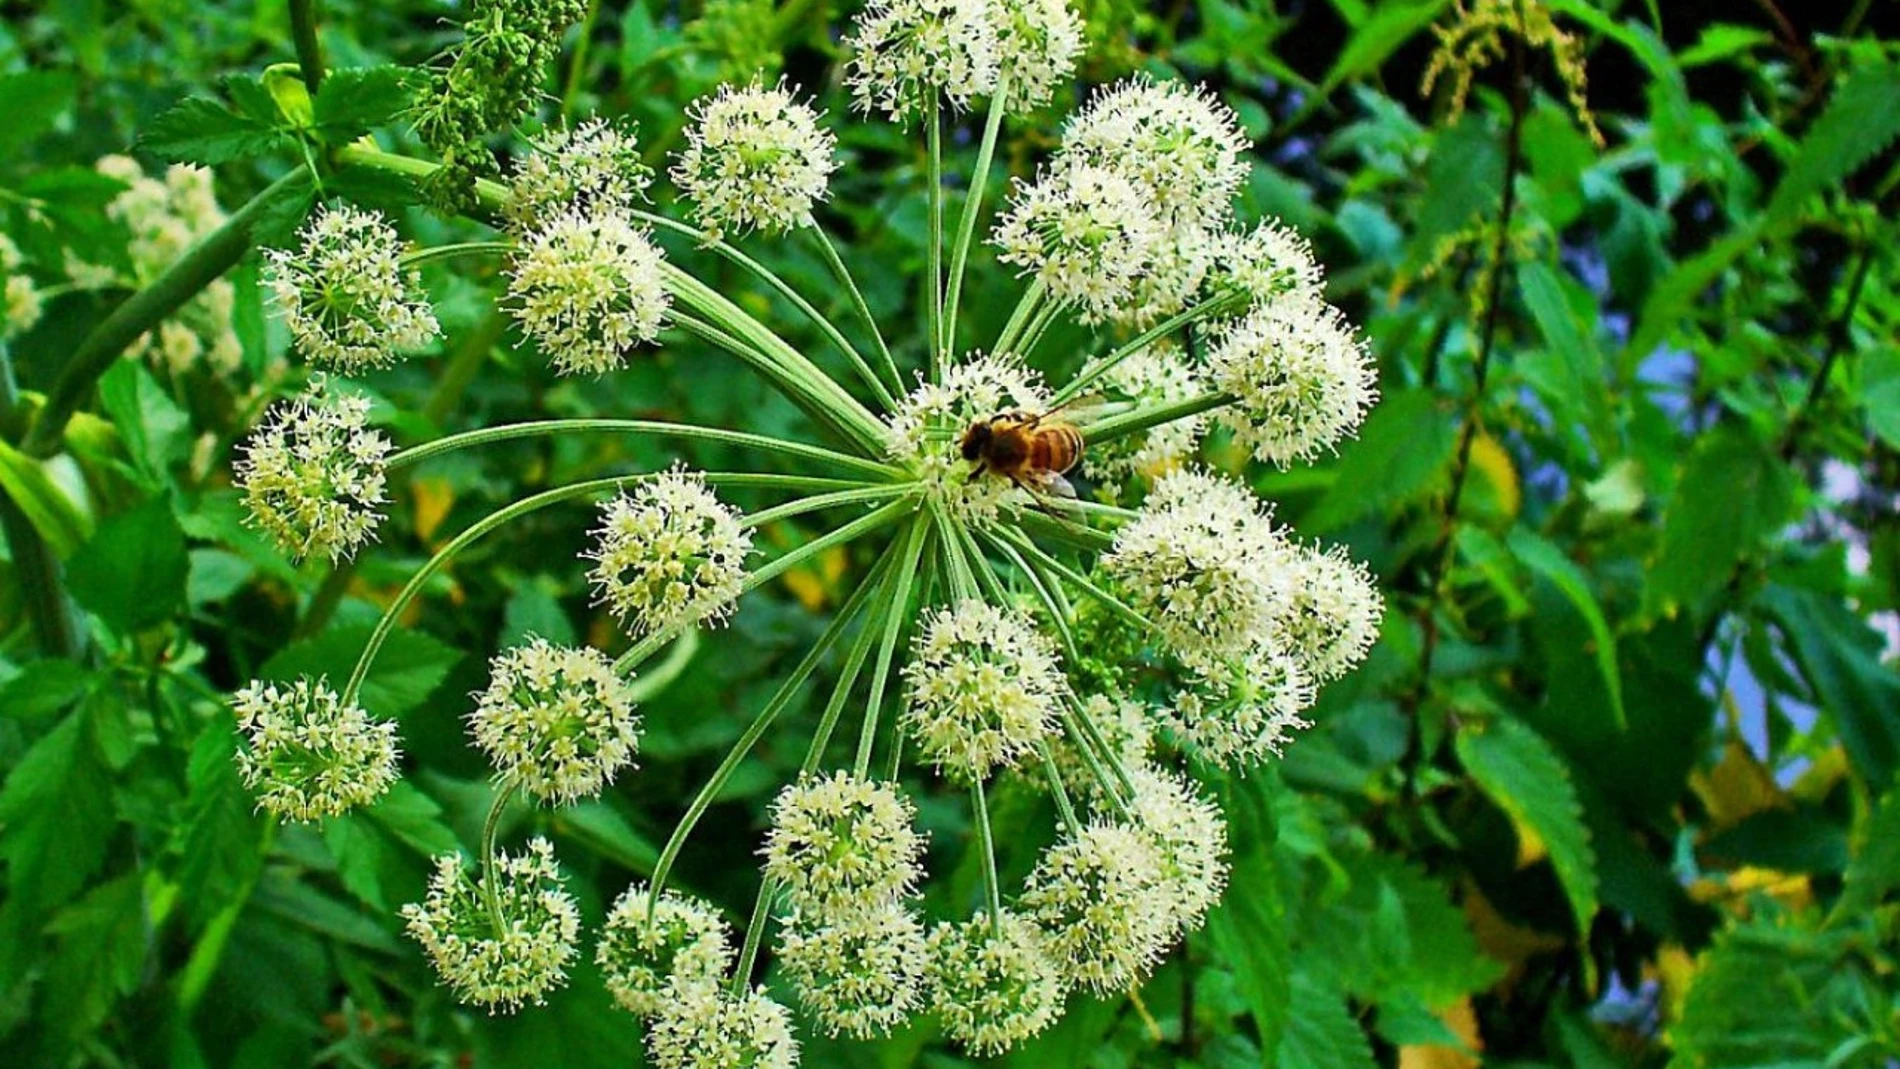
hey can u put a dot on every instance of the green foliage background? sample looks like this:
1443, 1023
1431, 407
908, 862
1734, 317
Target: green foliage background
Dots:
1616, 788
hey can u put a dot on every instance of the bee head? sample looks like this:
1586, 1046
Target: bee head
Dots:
975, 440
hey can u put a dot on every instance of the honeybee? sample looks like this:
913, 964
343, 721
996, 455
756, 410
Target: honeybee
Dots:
1032, 450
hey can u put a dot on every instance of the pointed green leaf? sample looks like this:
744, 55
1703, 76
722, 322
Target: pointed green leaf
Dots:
1544, 558
1320, 1034
1519, 771
204, 131
1861, 120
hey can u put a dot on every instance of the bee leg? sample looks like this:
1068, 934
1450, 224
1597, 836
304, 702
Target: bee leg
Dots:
978, 470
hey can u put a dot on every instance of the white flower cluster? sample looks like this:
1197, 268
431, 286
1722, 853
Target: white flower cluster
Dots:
755, 159
860, 974
308, 755
908, 53
587, 288
346, 298
557, 721
312, 474
985, 687
706, 1028
1301, 373
504, 945
1085, 233
593, 167
669, 554
926, 429
684, 944
1156, 375
20, 301
993, 985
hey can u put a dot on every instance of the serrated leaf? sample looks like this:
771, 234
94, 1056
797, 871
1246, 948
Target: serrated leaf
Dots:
1880, 392
414, 819
45, 687
55, 816
32, 101
1544, 297
1249, 927
102, 946
1733, 494
131, 573
202, 130
408, 669
1519, 771
1544, 558
1320, 1034
597, 827
220, 831
1672, 300
354, 100
1839, 657
1388, 26
1771, 992
152, 426
1404, 445
1860, 121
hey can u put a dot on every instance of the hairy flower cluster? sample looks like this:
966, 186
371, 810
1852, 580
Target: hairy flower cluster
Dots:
1190, 841
755, 159
1157, 375
669, 554
992, 986
308, 755
503, 945
1098, 899
1037, 42
1123, 727
685, 945
906, 54
312, 474
20, 301
984, 689
1302, 374
859, 975
927, 428
345, 297
1203, 561
587, 288
1241, 707
699, 1027
1086, 233
841, 846
1332, 613
557, 721
594, 167
1184, 147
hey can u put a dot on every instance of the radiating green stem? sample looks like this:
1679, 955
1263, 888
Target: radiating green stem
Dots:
878, 582
806, 398
972, 207
844, 277
100, 348
1086, 377
1068, 531
754, 935
889, 514
887, 648
1054, 606
1057, 790
1143, 418
1038, 326
504, 793
434, 253
1078, 580
1102, 760
933, 133
303, 33
540, 428
992, 884
1026, 307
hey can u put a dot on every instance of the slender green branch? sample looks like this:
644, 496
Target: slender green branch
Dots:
504, 793
1057, 609
858, 495
1026, 307
754, 935
933, 133
1141, 419
577, 63
972, 207
806, 398
1057, 790
986, 846
1102, 760
1207, 309
303, 33
871, 521
1075, 534
898, 607
879, 583
1038, 325
1078, 580
455, 250
100, 348
541, 428
845, 278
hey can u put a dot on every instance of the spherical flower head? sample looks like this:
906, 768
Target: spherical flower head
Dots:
1240, 709
1269, 262
841, 845
1184, 147
927, 429
1096, 897
669, 554
1302, 374
590, 167
1201, 559
992, 986
1190, 841
860, 975
1037, 42
1332, 613
312, 474
984, 688
1086, 232
755, 159
587, 288
308, 755
1123, 727
907, 53
1182, 258
345, 297
1157, 375
686, 945
700, 1027
557, 721
514, 953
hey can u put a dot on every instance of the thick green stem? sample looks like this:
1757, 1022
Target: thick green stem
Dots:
933, 133
100, 348
887, 648
55, 619
850, 283
1143, 418
1213, 306
540, 428
972, 207
303, 32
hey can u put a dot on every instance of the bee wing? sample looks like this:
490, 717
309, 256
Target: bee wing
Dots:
1082, 409
1048, 482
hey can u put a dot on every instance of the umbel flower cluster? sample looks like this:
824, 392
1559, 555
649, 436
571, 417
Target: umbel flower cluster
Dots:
1103, 646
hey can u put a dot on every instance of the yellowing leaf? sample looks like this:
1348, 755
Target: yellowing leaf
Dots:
1463, 1021
1732, 889
1530, 845
1819, 780
1674, 968
1499, 938
433, 497
1737, 787
1493, 465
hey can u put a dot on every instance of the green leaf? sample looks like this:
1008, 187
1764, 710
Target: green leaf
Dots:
1544, 558
43, 688
1404, 445
202, 130
1250, 928
103, 940
1463, 178
1723, 40
597, 827
532, 611
1673, 299
1859, 123
45, 506
1874, 870
354, 100
55, 816
1374, 40
1840, 658
1544, 297
409, 668
131, 573
1320, 1034
1733, 495
1773, 993
152, 426
413, 818
1519, 771
1880, 392
572, 1030
220, 832
32, 101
